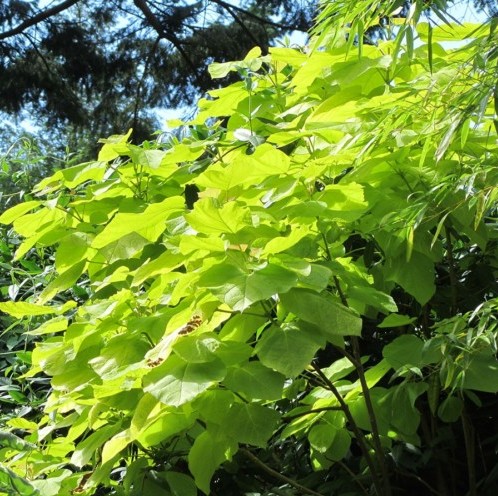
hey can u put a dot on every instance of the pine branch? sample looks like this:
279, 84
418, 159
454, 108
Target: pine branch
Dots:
36, 19
158, 27
228, 6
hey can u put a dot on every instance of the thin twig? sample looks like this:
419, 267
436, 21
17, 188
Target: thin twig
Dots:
352, 475
310, 412
278, 475
167, 35
246, 30
372, 418
36, 19
470, 449
368, 399
248, 13
420, 480
453, 277
140, 84
360, 438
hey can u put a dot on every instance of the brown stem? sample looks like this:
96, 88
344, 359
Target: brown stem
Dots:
372, 418
353, 476
36, 19
342, 296
360, 438
140, 84
453, 277
368, 399
158, 27
244, 28
276, 474
248, 13
469, 439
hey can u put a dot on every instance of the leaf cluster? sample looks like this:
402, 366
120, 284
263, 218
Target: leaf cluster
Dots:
295, 293
87, 69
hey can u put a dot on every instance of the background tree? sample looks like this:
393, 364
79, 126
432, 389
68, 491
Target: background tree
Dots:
87, 69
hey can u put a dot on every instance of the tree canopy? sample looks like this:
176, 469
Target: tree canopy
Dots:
296, 293
99, 67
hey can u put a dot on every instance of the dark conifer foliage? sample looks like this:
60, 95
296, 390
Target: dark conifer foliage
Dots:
98, 67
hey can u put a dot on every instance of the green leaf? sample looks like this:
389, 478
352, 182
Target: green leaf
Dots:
176, 382
51, 486
149, 223
120, 355
88, 448
396, 320
340, 445
242, 327
71, 251
180, 484
114, 146
181, 152
404, 398
162, 426
373, 297
381, 406
208, 218
344, 201
255, 381
415, 276
453, 32
240, 289
283, 243
287, 350
197, 349
251, 61
188, 244
481, 374
151, 158
212, 407
116, 445
208, 452
62, 282
20, 309
450, 409
250, 424
162, 264
7, 439
17, 211
246, 170
404, 351
339, 369
330, 316
321, 437
13, 484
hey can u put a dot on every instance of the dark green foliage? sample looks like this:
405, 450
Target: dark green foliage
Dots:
94, 68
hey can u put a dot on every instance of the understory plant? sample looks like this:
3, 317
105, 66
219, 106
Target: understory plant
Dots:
295, 293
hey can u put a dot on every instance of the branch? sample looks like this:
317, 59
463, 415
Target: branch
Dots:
360, 438
368, 400
158, 27
141, 83
310, 412
36, 19
452, 272
278, 475
244, 28
229, 6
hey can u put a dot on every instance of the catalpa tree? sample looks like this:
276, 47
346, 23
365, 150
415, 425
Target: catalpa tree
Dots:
298, 296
